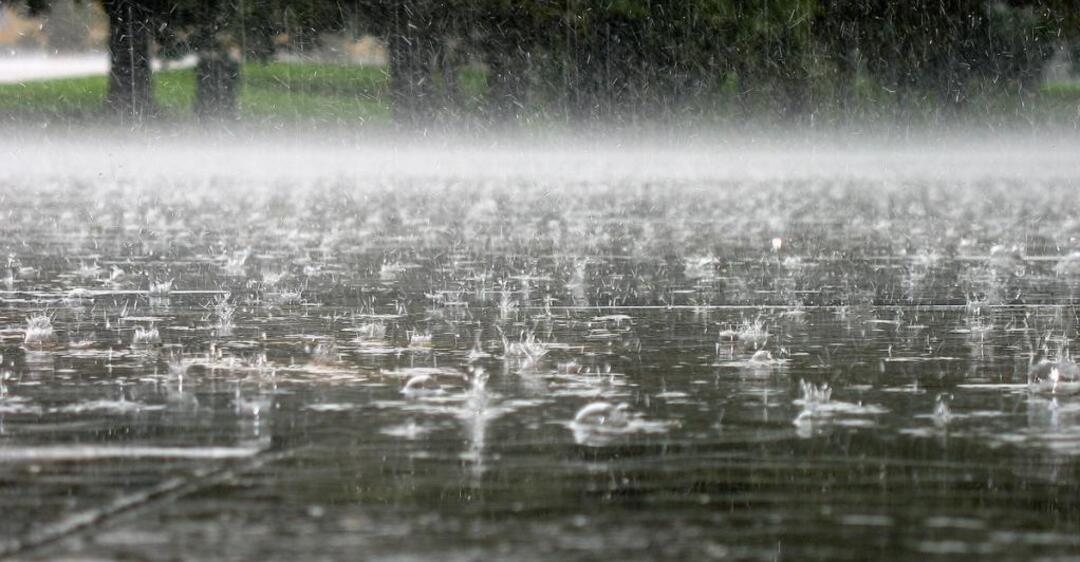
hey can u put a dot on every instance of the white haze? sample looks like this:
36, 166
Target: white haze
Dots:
139, 158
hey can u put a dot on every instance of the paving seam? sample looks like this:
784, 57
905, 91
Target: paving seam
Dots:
171, 489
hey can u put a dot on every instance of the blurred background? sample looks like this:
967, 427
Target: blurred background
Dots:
463, 63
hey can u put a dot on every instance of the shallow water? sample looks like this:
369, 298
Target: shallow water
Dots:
395, 363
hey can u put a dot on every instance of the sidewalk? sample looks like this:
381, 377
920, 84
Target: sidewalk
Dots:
26, 67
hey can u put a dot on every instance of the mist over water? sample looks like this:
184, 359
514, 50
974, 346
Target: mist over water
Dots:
259, 157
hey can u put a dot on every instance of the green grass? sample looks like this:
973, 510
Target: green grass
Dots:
311, 93
83, 97
315, 92
334, 80
69, 96
1062, 89
282, 91
324, 93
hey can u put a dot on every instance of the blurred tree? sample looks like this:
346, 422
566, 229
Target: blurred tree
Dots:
68, 25
131, 31
410, 48
502, 33
217, 71
935, 51
841, 26
420, 36
214, 32
612, 59
222, 34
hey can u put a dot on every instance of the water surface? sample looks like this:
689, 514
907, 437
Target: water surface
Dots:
805, 355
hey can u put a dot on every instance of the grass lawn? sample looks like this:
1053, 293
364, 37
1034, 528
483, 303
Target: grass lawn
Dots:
322, 93
281, 91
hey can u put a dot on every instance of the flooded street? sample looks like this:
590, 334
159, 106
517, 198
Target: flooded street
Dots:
733, 352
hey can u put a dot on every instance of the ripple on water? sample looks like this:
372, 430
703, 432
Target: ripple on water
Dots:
657, 351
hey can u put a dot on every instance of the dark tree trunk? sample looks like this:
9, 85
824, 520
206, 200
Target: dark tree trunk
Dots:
216, 79
217, 73
130, 93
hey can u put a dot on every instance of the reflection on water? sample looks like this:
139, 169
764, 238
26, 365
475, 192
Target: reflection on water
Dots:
456, 370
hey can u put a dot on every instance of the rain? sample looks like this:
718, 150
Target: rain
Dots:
474, 280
